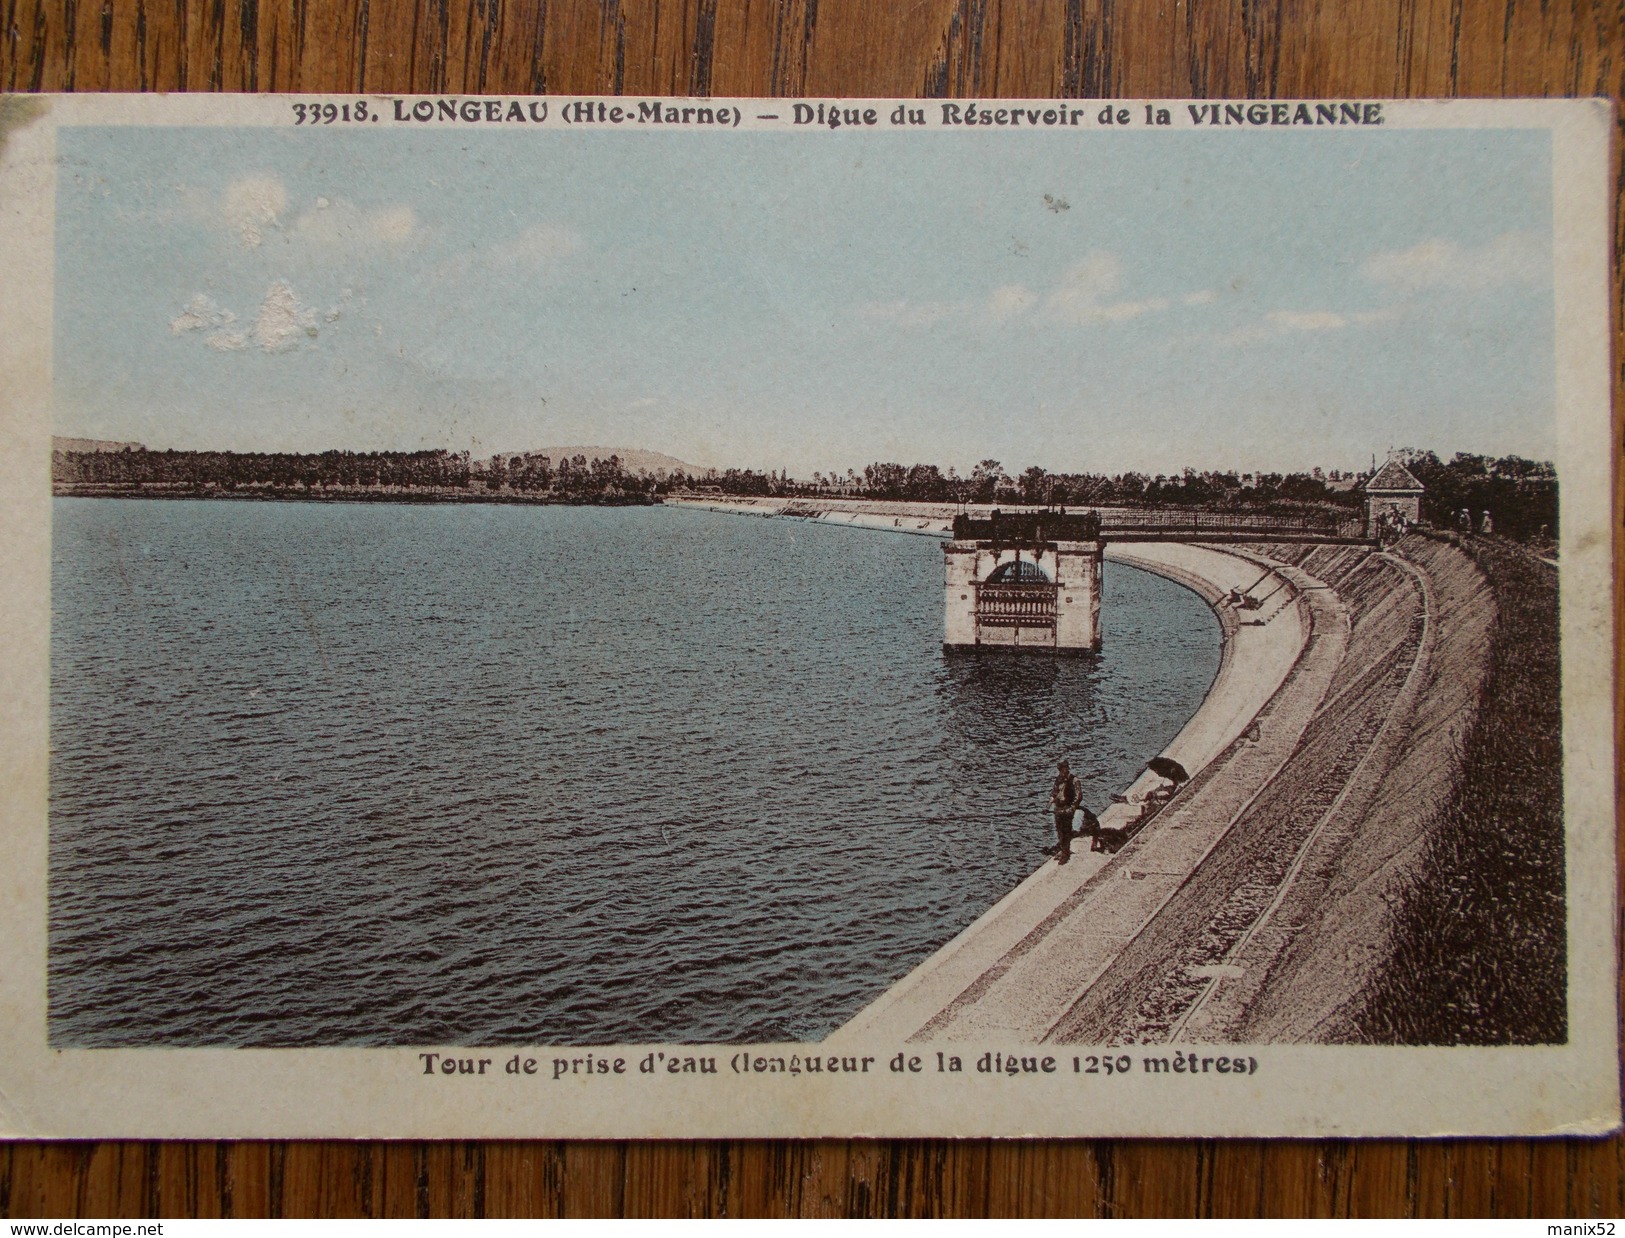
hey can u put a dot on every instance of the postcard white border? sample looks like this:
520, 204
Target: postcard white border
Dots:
1296, 1090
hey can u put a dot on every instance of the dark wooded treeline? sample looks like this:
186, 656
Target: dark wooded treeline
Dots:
428, 474
1519, 494
989, 483
283, 470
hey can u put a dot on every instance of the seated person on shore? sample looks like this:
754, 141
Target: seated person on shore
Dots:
1089, 828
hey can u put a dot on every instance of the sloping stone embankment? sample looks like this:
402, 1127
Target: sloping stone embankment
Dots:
1259, 904
1022, 966
1310, 968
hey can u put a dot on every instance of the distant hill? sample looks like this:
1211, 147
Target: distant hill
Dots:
633, 459
92, 444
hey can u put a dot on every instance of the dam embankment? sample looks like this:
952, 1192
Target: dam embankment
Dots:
1264, 901
1479, 934
1282, 932
1016, 971
1389, 740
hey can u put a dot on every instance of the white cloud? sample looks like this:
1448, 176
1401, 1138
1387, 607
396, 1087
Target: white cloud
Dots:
1010, 300
202, 314
1365, 318
394, 225
341, 222
1277, 323
1117, 311
256, 207
283, 323
1085, 285
1512, 258
1307, 320
536, 246
1084, 293
1253, 333
252, 205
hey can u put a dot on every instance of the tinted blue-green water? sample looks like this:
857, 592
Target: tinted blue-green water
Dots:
377, 774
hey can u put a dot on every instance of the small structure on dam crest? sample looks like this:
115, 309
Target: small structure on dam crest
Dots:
1025, 581
1392, 489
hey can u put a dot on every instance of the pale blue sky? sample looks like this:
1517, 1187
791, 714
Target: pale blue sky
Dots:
1214, 298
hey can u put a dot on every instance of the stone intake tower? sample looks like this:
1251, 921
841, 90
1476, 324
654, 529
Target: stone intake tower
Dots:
1027, 581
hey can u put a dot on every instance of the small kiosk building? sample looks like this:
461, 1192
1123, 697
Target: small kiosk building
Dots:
1392, 488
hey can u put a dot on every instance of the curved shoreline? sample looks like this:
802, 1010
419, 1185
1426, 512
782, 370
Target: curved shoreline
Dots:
983, 981
995, 978
1265, 901
1244, 680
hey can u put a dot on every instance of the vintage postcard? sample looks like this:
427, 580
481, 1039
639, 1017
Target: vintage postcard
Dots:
669, 617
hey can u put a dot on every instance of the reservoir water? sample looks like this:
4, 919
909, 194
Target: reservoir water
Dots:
377, 774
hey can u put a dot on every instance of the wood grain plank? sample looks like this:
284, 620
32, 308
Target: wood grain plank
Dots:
912, 1178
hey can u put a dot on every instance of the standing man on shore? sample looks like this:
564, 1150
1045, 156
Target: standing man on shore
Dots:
1064, 798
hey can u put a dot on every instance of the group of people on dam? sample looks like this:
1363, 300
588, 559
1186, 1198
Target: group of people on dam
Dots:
1066, 802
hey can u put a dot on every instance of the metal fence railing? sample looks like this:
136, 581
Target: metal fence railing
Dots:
1015, 605
1188, 525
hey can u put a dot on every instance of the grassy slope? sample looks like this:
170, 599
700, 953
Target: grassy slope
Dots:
1481, 950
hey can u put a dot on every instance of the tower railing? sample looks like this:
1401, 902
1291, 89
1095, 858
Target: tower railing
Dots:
1016, 605
1152, 524
1131, 523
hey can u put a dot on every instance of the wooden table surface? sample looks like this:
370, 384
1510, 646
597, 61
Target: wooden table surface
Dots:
1012, 48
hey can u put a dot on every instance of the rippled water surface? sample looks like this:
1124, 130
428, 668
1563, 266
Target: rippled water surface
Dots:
377, 774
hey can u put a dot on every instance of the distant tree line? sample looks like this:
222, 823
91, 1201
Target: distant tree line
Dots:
1520, 495
989, 483
569, 479
283, 470
436, 473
